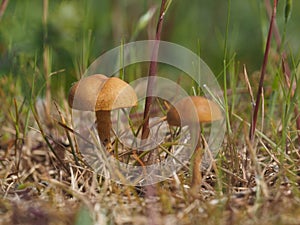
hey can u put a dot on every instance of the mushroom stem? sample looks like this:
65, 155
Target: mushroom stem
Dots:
104, 127
196, 176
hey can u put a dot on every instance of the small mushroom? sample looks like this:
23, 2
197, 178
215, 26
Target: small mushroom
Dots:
102, 94
206, 111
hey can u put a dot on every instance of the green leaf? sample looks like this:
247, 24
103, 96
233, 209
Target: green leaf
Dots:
167, 5
143, 21
288, 10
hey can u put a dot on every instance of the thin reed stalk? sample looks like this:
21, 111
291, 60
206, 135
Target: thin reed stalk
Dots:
262, 75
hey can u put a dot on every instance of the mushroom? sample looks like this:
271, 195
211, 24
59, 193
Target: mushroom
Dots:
102, 94
206, 111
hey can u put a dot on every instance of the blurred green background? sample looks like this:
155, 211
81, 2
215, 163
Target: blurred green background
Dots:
80, 31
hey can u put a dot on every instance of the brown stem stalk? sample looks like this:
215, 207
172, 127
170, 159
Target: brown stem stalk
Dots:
196, 173
262, 75
285, 66
104, 127
3, 6
150, 189
152, 72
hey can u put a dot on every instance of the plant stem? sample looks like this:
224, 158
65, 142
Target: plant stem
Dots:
225, 69
262, 75
152, 72
46, 61
285, 67
150, 189
196, 173
3, 6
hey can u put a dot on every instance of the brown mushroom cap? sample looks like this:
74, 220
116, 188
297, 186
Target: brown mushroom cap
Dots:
98, 92
207, 111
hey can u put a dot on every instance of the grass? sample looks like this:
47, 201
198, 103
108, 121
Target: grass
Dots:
253, 180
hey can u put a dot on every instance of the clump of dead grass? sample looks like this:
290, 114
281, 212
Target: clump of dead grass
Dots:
261, 188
